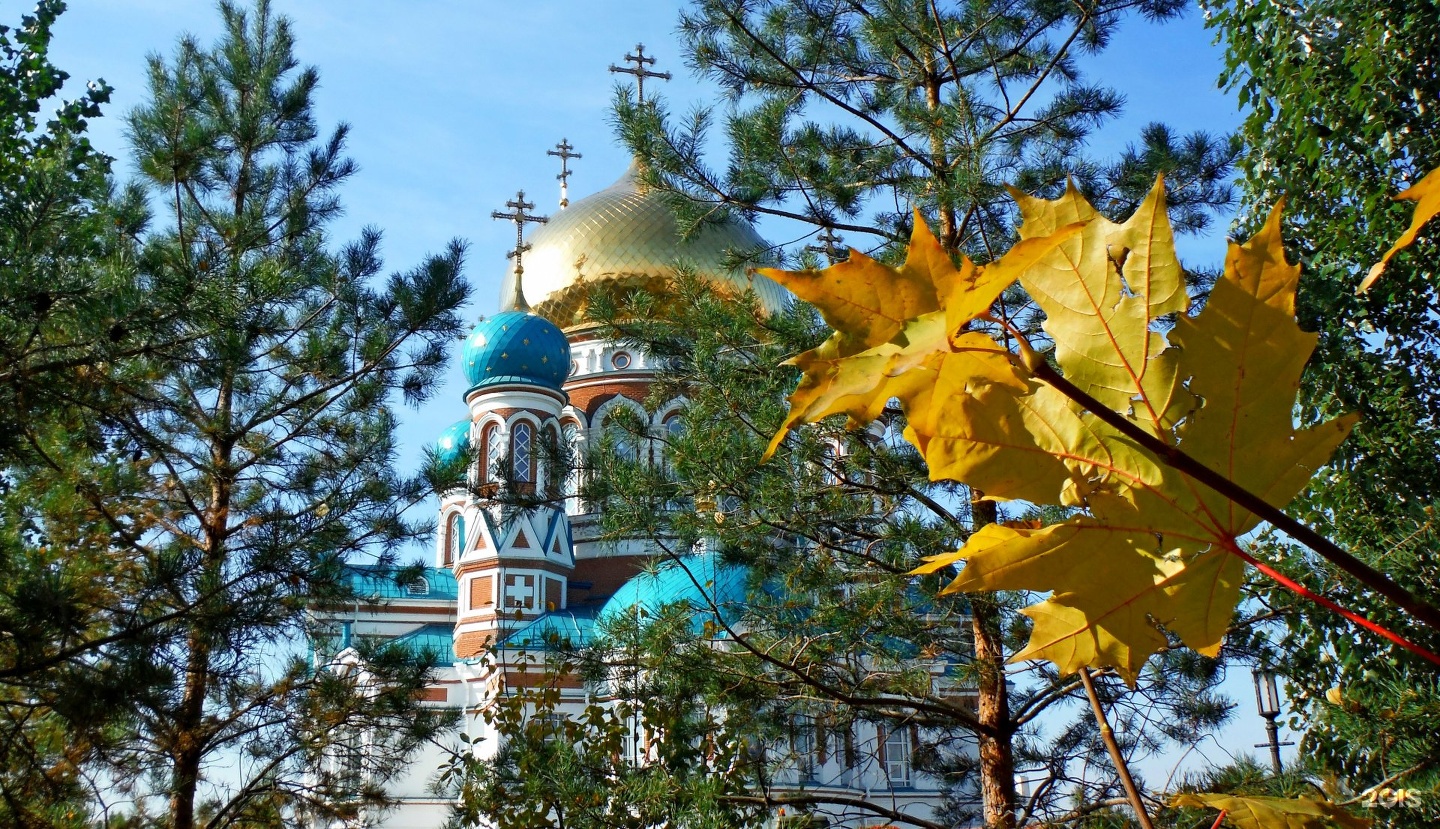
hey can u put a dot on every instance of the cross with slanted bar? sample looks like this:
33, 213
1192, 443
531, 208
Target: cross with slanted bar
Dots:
640, 72
563, 151
519, 217
831, 248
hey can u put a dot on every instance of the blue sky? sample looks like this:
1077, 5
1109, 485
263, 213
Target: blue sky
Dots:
453, 103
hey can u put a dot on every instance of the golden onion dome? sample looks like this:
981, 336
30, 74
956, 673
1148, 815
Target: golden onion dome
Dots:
626, 236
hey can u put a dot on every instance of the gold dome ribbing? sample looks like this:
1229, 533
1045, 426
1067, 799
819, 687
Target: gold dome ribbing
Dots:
626, 236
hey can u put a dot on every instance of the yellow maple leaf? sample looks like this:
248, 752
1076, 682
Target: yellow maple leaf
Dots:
1244, 355
1152, 553
1155, 548
1426, 195
1274, 812
875, 354
1078, 625
1103, 322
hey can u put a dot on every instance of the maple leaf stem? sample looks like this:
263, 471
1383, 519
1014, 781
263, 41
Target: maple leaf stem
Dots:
1295, 587
1172, 455
1108, 735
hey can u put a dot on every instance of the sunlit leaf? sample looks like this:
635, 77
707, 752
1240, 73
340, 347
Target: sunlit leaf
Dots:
1274, 812
1426, 195
1151, 553
861, 367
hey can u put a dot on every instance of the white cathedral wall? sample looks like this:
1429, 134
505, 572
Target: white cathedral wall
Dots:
419, 805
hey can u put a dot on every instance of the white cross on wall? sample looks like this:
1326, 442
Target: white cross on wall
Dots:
519, 591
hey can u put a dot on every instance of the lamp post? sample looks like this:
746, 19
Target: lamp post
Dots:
1267, 701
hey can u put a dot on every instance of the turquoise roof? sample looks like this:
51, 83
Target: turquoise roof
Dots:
702, 582
516, 347
566, 628
374, 582
437, 640
454, 442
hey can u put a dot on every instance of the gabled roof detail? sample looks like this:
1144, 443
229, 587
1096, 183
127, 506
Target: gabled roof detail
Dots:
437, 640
376, 583
554, 630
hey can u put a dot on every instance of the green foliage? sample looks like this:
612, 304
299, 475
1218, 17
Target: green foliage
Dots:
833, 638
847, 115
1340, 101
62, 294
202, 440
573, 770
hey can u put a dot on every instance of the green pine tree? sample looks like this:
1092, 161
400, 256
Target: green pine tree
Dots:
254, 459
74, 317
832, 640
1340, 100
848, 115
845, 116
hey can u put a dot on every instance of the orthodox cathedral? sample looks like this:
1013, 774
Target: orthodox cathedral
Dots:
503, 584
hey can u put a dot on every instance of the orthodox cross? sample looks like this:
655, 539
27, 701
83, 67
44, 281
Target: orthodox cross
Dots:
519, 217
640, 72
831, 248
563, 151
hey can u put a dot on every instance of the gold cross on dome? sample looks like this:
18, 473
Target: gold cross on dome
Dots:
640, 72
519, 217
563, 151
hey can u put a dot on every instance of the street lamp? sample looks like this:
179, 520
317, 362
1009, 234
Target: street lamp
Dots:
1267, 701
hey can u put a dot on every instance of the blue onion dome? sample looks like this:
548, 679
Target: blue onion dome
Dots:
454, 442
516, 347
702, 583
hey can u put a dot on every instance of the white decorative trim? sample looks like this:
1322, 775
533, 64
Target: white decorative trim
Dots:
662, 414
596, 359
515, 397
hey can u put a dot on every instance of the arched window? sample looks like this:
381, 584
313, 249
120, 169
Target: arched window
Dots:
454, 538
418, 587
621, 438
570, 486
494, 455
671, 428
552, 474
522, 452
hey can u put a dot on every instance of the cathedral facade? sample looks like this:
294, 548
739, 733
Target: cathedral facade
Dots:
501, 582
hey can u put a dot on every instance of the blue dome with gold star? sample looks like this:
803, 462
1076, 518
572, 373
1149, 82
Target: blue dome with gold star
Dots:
516, 347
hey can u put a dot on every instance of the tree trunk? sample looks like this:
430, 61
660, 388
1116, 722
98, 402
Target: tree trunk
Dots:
191, 735
997, 751
187, 748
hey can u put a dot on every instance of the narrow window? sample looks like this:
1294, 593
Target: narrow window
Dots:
522, 454
553, 474
673, 425
454, 538
494, 454
803, 747
570, 485
897, 757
